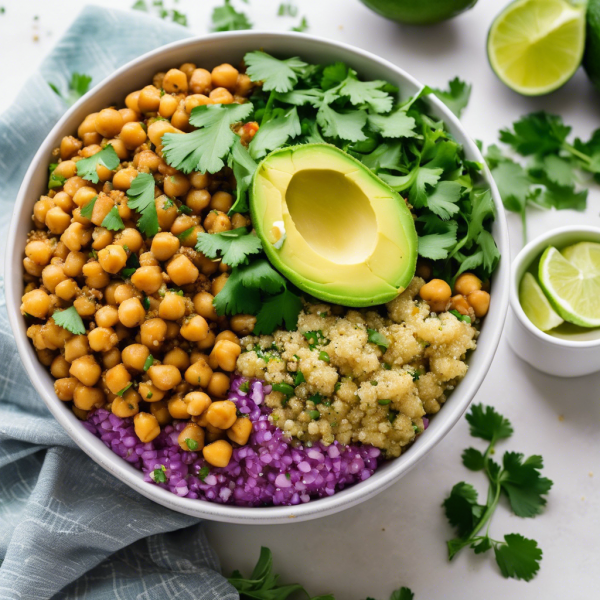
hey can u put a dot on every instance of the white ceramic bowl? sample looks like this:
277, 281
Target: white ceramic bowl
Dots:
547, 353
209, 51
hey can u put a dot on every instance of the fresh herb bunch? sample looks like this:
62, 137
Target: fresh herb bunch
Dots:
78, 86
264, 585
299, 103
518, 478
553, 174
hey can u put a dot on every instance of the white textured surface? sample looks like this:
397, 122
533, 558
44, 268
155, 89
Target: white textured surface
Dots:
398, 537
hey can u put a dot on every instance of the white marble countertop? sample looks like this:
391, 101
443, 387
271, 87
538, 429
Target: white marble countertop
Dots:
398, 537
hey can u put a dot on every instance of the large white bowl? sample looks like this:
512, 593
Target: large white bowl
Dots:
209, 51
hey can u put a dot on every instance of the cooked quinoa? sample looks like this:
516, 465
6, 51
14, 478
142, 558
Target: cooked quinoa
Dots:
352, 390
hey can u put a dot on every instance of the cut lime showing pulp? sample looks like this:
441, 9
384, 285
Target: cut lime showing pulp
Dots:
573, 289
536, 306
535, 46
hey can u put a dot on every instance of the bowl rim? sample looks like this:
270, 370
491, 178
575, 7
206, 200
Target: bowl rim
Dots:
528, 254
352, 495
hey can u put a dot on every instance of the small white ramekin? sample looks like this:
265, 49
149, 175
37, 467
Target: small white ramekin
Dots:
547, 353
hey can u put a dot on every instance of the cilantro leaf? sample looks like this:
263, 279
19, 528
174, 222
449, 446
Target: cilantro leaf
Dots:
395, 125
519, 557
112, 221
489, 252
513, 184
233, 246
78, 86
403, 593
375, 337
244, 168
473, 459
70, 320
333, 75
86, 167
462, 509
275, 133
55, 180
456, 97
536, 133
302, 26
226, 18
205, 149
487, 424
261, 275
437, 246
443, 201
482, 209
522, 482
347, 125
236, 299
366, 93
283, 308
277, 75
385, 156
301, 97
88, 209
140, 197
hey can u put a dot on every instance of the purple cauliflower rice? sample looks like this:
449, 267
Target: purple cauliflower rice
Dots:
268, 470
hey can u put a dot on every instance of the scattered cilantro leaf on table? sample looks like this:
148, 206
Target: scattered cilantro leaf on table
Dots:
226, 18
78, 86
287, 9
517, 477
140, 197
207, 148
456, 97
70, 320
233, 246
86, 167
302, 26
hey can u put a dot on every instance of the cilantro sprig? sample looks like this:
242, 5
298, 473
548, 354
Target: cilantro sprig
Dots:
70, 320
519, 479
140, 197
552, 174
233, 247
78, 86
86, 168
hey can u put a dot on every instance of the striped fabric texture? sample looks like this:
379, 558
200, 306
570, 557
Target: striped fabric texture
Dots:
68, 529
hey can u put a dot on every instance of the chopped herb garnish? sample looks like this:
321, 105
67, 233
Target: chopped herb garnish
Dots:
392, 415
149, 395
88, 209
314, 338
113, 221
288, 476
415, 375
55, 180
324, 356
121, 392
302, 26
70, 320
131, 266
149, 362
337, 386
378, 338
299, 378
191, 444
460, 316
316, 398
159, 475
185, 234
185, 209
374, 382
93, 254
284, 388
384, 402
146, 303
314, 414
244, 387
385, 366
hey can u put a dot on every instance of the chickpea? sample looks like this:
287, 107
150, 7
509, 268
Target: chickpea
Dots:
424, 270
123, 292
131, 101
218, 386
146, 427
208, 342
88, 125
240, 431
181, 270
102, 339
74, 264
42, 206
243, 85
57, 220
194, 433
117, 379
147, 279
45, 356
176, 185
172, 330
243, 324
437, 294
135, 356
127, 406
107, 316
86, 369
111, 358
67, 289
149, 392
197, 403
175, 81
221, 95
156, 131
129, 115
59, 367
221, 414
61, 252
194, 329
54, 336
85, 306
133, 135
200, 81
95, 276
146, 160
52, 275
225, 354
75, 236
164, 377
203, 305
228, 335
467, 283
217, 222
221, 201
153, 333
102, 237
109, 122
148, 99
459, 303
112, 258
86, 398
199, 373
69, 147
197, 200
199, 181
178, 358
212, 433
39, 252
172, 307
131, 238
64, 201
131, 312
161, 412
168, 105
76, 347
219, 283
218, 454
36, 303
164, 245
73, 184
65, 388
166, 212
123, 178
480, 302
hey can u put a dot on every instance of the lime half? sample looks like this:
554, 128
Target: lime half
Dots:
535, 46
536, 306
573, 289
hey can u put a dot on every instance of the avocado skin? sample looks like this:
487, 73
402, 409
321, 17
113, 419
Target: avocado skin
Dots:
419, 12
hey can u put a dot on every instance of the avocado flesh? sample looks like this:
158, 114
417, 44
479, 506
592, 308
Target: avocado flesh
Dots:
350, 239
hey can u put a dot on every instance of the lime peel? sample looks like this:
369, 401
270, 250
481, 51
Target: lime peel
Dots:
536, 306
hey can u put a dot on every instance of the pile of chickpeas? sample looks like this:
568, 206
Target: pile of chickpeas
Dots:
154, 348
469, 298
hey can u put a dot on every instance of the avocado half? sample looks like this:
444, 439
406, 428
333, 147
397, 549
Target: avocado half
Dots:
332, 227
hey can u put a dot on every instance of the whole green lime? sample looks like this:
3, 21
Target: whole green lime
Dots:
420, 12
591, 59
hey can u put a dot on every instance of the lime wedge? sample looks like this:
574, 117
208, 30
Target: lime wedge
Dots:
585, 256
536, 306
535, 46
573, 290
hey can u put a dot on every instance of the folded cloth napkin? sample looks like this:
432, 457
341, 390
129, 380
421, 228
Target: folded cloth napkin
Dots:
68, 529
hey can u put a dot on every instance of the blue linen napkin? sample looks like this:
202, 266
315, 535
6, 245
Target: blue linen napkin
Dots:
68, 529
